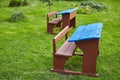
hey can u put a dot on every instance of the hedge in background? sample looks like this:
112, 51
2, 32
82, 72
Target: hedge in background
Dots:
97, 6
87, 7
16, 3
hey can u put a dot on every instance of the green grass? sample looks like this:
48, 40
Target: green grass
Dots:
26, 47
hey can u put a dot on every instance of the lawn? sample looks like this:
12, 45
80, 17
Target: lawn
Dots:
26, 47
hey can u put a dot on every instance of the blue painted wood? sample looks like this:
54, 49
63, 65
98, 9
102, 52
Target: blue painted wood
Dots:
67, 11
87, 32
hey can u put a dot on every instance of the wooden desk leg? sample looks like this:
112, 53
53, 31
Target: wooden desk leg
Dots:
65, 20
50, 28
90, 50
73, 22
59, 63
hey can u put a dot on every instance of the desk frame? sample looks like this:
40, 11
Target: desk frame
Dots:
90, 50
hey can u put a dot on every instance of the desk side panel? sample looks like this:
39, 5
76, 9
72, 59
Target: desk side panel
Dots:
72, 15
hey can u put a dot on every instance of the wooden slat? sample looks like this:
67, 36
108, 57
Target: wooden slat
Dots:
63, 48
71, 49
61, 34
55, 21
52, 13
67, 49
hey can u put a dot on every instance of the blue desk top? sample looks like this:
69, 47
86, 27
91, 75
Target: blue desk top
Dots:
67, 11
87, 32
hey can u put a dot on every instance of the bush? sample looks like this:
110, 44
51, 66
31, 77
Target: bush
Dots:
44, 0
84, 10
97, 6
16, 3
18, 16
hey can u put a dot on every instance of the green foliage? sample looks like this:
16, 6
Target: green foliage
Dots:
98, 6
47, 0
19, 16
73, 0
44, 1
84, 10
16, 3
87, 7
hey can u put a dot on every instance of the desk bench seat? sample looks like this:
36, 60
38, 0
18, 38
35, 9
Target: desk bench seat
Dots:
56, 21
86, 38
67, 49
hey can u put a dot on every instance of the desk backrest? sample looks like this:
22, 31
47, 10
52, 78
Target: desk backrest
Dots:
87, 32
51, 14
59, 36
